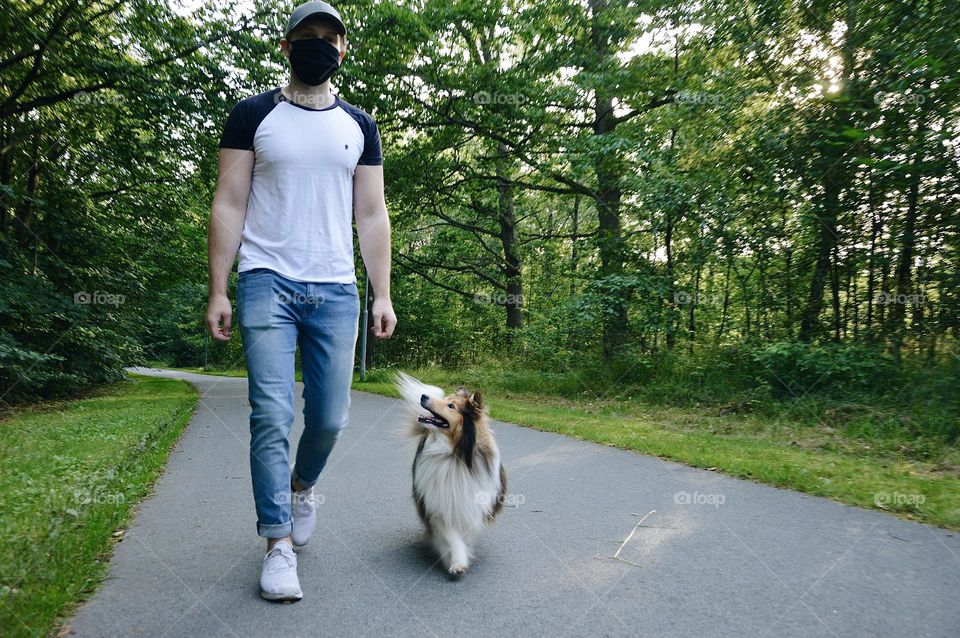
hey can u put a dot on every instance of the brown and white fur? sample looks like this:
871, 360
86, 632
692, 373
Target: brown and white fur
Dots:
459, 483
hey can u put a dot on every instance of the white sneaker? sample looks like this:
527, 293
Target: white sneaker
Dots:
304, 516
278, 580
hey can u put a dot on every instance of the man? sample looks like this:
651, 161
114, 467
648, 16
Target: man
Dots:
294, 162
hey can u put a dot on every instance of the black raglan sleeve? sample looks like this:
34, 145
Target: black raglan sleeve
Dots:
239, 129
372, 150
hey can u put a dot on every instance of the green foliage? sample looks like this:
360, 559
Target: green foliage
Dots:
794, 369
52, 346
106, 161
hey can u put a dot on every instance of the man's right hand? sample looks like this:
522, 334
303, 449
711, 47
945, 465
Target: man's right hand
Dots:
219, 311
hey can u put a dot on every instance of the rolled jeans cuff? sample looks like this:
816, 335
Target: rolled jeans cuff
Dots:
305, 483
275, 531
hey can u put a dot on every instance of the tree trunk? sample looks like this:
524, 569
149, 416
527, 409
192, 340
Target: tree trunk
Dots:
27, 207
835, 289
668, 249
508, 237
876, 222
691, 323
809, 323
902, 278
574, 253
606, 166
5, 138
726, 301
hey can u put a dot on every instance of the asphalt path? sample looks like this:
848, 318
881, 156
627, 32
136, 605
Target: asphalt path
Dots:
594, 541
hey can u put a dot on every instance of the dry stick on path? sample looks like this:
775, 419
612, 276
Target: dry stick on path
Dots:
616, 555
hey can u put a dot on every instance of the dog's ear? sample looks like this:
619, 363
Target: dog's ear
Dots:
468, 440
476, 401
462, 391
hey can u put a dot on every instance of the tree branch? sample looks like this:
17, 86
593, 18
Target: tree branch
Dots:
400, 262
461, 269
38, 53
652, 104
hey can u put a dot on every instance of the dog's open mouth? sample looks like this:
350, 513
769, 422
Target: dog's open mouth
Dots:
434, 420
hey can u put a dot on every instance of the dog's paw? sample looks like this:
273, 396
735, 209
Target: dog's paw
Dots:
457, 569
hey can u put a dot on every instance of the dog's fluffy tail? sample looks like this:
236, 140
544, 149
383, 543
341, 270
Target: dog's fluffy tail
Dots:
411, 390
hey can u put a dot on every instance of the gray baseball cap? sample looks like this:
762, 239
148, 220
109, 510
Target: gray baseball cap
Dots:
315, 8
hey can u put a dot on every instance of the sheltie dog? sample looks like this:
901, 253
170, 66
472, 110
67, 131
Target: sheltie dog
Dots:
458, 481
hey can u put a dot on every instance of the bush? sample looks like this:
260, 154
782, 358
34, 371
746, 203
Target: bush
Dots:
52, 347
794, 369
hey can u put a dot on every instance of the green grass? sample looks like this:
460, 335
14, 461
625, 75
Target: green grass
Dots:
788, 451
70, 473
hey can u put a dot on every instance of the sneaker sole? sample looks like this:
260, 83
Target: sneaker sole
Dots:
281, 598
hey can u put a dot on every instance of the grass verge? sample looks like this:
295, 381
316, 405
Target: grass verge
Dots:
70, 474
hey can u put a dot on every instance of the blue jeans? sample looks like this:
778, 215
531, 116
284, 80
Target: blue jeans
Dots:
275, 315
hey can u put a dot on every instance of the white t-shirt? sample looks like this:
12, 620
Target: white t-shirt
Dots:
300, 212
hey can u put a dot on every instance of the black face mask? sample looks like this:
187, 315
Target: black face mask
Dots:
314, 60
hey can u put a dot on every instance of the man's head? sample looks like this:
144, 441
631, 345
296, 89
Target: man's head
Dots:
314, 10
315, 20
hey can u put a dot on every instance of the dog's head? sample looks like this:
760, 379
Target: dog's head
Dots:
457, 417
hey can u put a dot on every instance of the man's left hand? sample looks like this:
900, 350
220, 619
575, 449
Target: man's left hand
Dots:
384, 320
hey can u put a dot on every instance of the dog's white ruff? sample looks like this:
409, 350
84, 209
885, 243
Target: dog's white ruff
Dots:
451, 492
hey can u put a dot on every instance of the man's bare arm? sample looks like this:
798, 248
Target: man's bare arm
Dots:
373, 231
227, 214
